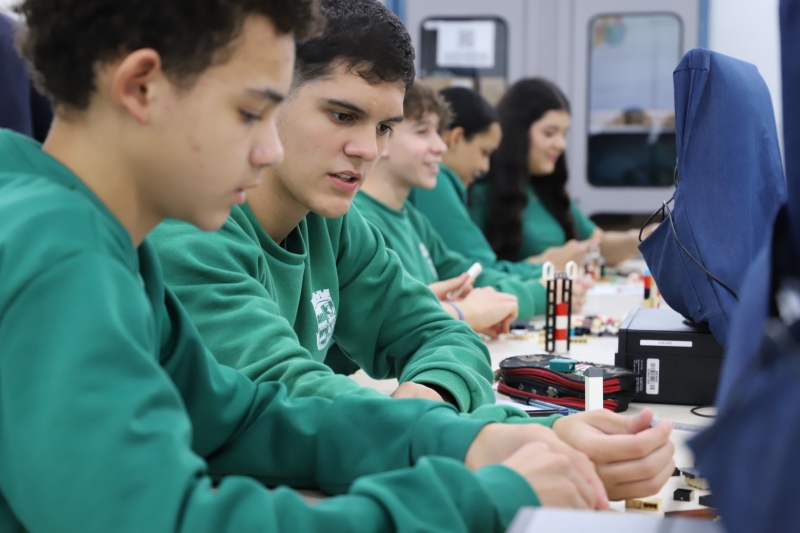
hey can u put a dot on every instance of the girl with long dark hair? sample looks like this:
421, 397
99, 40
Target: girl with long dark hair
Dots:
522, 204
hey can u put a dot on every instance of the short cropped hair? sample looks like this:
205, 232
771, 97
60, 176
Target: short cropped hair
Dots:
64, 40
471, 111
421, 100
363, 35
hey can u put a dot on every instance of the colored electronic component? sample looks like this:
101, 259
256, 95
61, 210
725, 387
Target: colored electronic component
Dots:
682, 495
562, 365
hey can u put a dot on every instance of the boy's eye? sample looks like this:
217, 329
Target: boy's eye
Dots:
384, 129
342, 117
249, 117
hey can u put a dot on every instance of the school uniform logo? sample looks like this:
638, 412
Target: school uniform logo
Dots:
427, 256
326, 317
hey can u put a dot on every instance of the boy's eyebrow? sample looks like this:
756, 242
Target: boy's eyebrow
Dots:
357, 110
267, 94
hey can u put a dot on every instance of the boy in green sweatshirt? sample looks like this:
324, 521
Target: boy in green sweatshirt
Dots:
412, 160
294, 284
115, 417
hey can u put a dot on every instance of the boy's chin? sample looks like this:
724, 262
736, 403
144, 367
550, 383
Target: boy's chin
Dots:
334, 208
210, 222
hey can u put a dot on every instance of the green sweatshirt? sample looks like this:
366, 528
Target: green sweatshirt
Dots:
426, 257
446, 208
274, 311
540, 230
114, 417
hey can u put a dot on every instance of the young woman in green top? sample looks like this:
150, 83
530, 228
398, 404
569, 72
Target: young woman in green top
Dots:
523, 204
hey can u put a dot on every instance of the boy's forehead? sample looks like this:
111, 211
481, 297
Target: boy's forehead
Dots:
429, 118
258, 56
381, 100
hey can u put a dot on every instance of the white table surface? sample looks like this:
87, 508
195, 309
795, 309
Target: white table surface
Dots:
609, 301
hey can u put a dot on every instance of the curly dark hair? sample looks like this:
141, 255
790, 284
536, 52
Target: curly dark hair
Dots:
365, 36
525, 102
65, 39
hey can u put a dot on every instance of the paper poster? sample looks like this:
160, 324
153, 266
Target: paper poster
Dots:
464, 43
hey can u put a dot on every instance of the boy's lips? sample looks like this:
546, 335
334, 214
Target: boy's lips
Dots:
346, 181
241, 192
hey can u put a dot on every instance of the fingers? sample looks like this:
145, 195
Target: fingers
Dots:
587, 470
552, 475
640, 422
592, 492
442, 288
615, 424
613, 448
644, 487
638, 470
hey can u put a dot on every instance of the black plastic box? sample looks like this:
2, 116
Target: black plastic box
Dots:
673, 361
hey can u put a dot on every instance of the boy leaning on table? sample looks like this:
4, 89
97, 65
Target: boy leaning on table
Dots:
250, 287
114, 417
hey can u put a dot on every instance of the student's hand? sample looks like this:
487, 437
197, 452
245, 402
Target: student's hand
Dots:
561, 255
489, 312
442, 289
579, 288
409, 389
554, 478
633, 459
560, 475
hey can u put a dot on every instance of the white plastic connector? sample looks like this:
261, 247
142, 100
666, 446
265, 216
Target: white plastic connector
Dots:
472, 274
593, 378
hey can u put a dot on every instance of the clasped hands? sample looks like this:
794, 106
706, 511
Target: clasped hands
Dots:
585, 460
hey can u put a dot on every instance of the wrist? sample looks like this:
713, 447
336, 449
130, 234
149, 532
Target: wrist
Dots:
446, 395
457, 309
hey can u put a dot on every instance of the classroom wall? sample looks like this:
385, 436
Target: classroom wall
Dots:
745, 29
749, 30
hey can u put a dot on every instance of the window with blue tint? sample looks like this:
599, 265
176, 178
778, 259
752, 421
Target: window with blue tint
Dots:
631, 109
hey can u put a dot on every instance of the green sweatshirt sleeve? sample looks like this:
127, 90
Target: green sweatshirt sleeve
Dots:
105, 437
218, 277
393, 326
583, 224
531, 295
446, 208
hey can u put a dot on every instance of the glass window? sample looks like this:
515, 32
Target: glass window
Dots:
470, 52
631, 108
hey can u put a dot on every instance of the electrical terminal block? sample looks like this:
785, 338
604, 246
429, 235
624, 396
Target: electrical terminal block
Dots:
693, 479
651, 504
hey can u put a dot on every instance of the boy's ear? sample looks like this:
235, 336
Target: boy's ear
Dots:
135, 81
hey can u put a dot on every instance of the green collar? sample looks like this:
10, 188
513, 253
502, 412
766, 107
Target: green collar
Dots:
449, 177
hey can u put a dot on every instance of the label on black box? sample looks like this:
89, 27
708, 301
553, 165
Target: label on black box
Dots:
671, 344
651, 373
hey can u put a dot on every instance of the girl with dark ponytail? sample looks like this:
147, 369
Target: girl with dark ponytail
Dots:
522, 204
